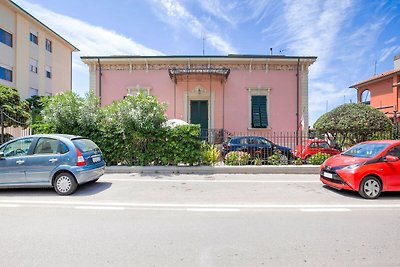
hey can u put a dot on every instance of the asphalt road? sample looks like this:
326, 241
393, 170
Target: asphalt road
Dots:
199, 220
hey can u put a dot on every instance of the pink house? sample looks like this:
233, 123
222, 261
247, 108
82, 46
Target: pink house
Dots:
237, 93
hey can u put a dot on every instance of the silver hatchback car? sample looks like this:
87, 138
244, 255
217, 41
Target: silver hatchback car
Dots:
50, 160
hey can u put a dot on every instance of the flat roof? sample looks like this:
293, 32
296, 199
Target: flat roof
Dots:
44, 25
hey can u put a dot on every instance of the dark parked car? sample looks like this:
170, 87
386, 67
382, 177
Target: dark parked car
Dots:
257, 147
51, 160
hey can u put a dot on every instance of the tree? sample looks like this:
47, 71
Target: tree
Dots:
352, 123
10, 102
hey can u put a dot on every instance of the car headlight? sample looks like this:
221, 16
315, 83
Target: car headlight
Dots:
352, 167
324, 163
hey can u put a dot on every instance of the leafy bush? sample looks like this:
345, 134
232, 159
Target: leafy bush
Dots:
298, 161
11, 103
277, 158
318, 158
129, 132
237, 158
352, 123
257, 161
210, 154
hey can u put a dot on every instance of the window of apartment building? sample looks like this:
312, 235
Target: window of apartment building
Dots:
48, 71
49, 46
33, 65
6, 37
33, 37
33, 92
5, 74
259, 117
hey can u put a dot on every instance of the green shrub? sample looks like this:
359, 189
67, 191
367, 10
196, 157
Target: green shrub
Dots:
237, 158
318, 158
257, 161
210, 154
277, 158
298, 161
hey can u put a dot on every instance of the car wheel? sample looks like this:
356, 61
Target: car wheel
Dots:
370, 187
307, 160
284, 160
65, 184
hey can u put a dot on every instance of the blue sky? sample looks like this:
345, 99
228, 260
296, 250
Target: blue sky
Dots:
347, 36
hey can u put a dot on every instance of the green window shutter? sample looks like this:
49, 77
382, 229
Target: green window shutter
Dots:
259, 116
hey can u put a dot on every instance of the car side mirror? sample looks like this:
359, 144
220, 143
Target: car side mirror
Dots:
1, 155
390, 158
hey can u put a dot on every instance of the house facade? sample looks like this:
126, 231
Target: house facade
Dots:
33, 58
382, 91
237, 93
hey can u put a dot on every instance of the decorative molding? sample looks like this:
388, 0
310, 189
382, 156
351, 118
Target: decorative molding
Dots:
245, 67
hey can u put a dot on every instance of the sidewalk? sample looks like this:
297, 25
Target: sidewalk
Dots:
288, 169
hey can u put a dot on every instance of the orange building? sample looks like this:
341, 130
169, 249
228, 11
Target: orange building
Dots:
382, 91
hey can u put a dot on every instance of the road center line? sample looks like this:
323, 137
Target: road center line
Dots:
196, 205
326, 210
214, 209
98, 208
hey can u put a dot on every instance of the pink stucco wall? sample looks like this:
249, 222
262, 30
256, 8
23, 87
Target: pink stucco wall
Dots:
235, 117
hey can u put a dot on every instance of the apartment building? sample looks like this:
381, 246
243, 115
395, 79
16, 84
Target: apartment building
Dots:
33, 58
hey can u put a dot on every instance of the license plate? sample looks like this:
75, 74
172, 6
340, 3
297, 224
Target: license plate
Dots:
96, 159
328, 175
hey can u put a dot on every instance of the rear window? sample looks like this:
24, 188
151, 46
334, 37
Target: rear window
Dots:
85, 145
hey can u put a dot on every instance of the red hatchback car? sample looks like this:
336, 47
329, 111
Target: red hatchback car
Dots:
312, 147
368, 168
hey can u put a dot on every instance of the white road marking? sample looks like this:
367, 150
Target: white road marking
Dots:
197, 206
326, 210
208, 181
207, 210
9, 205
98, 208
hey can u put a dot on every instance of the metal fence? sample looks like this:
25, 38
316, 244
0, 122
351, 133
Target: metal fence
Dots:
12, 127
287, 139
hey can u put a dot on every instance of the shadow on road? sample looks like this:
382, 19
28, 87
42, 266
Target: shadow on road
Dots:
355, 195
83, 190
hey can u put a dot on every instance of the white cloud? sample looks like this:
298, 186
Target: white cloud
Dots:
89, 39
387, 52
179, 17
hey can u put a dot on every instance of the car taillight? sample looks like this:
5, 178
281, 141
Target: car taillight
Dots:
226, 146
80, 161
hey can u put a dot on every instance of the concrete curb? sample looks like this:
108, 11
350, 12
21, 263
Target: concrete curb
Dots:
215, 169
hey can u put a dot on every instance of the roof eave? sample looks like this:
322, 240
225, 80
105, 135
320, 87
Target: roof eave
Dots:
74, 48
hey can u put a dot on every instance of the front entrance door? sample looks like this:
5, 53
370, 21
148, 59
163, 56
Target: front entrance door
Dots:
199, 113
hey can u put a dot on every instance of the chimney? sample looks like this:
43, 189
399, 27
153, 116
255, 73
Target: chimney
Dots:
397, 62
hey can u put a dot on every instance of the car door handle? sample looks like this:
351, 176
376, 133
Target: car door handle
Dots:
53, 160
20, 162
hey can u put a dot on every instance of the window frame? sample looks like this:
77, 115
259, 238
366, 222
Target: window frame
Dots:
49, 45
34, 38
3, 37
33, 68
48, 72
6, 74
258, 91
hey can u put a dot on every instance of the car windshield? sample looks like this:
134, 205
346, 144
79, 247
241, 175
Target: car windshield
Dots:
368, 150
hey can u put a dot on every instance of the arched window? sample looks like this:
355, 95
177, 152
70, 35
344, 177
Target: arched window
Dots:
366, 97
